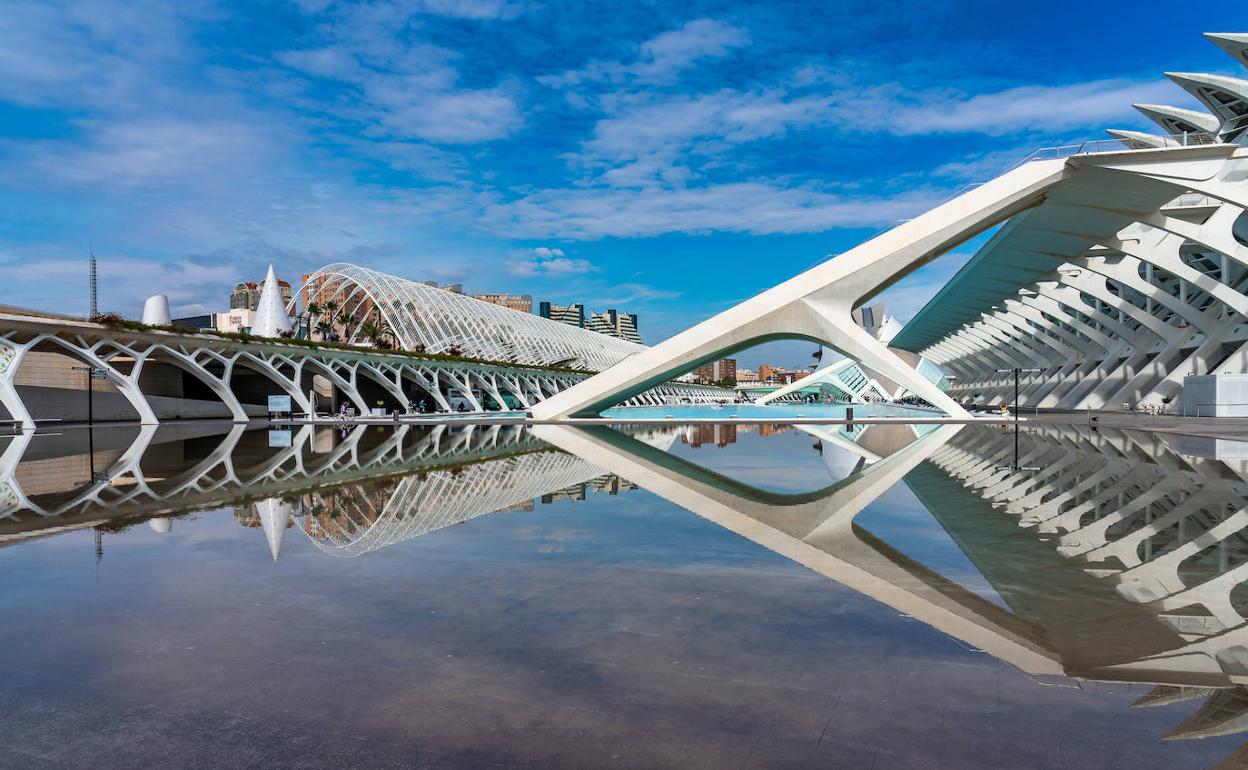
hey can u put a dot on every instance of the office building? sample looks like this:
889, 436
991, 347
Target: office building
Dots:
723, 370
521, 302
246, 295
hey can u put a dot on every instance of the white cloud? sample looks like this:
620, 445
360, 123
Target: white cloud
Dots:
464, 9
457, 117
402, 86
677, 49
1032, 108
752, 207
547, 261
625, 294
154, 152
661, 57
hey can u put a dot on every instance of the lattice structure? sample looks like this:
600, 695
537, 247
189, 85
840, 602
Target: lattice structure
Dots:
418, 505
124, 487
1139, 551
122, 356
1122, 266
435, 320
1112, 302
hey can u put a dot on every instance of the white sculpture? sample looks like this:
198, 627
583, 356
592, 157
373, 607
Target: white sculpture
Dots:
270, 318
156, 311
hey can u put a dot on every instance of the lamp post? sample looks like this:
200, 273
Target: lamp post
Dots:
1016, 370
93, 373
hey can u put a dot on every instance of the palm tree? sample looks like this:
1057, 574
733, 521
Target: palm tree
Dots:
374, 331
324, 327
347, 320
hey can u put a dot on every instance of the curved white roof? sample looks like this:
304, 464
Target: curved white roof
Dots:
439, 321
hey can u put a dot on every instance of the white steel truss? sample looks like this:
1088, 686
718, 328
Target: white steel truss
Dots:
121, 356
1112, 304
435, 320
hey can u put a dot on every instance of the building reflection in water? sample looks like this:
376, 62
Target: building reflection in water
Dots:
1120, 559
1119, 556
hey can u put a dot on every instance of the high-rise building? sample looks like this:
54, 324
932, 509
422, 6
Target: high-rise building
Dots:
612, 323
521, 302
769, 373
719, 371
246, 295
622, 325
573, 315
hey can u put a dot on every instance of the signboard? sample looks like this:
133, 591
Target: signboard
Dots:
279, 438
279, 404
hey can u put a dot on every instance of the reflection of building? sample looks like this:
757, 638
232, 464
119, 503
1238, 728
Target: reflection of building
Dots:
719, 371
719, 435
246, 295
612, 484
574, 492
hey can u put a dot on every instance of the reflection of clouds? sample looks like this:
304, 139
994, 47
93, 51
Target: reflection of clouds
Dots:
553, 539
655, 638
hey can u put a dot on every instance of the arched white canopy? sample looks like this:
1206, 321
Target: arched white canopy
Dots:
436, 320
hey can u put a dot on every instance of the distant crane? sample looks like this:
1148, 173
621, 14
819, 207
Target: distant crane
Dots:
95, 307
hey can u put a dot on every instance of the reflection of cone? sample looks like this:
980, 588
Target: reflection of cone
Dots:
160, 525
274, 515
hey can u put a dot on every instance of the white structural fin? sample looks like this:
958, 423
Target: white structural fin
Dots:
1227, 98
1177, 120
1234, 43
274, 517
156, 311
1138, 140
270, 318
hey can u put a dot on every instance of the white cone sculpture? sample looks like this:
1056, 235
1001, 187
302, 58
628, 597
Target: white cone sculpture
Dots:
270, 318
156, 311
274, 516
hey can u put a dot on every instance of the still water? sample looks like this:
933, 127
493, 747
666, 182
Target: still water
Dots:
701, 596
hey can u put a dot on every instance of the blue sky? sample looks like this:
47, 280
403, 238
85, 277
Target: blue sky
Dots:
669, 159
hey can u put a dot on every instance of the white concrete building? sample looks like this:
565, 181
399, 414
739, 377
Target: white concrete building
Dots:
1118, 267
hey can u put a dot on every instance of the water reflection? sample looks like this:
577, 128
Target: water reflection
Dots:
1117, 556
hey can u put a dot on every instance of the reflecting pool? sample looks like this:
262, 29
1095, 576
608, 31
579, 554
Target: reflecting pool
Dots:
709, 595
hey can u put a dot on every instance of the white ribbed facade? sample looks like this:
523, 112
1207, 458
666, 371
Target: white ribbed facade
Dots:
1112, 317
1119, 267
434, 320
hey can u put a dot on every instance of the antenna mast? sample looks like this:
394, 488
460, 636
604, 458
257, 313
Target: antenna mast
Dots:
95, 308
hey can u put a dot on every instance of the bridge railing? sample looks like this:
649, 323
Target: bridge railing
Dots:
1092, 146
